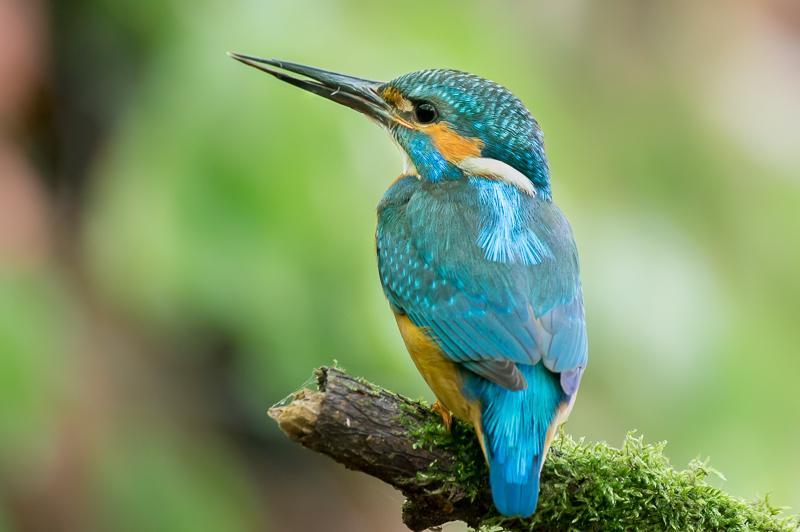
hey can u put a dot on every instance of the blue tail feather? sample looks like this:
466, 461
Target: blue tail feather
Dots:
515, 425
515, 498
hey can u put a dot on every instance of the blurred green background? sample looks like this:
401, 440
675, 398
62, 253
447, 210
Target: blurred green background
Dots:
183, 239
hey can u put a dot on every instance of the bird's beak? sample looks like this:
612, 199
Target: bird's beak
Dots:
356, 93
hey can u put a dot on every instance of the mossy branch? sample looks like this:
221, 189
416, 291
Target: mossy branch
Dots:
585, 486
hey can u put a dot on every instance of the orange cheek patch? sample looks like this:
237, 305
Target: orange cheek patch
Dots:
451, 145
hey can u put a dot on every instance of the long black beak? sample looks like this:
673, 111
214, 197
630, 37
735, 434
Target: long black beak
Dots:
356, 93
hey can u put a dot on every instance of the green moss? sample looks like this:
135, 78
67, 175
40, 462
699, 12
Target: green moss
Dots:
368, 387
468, 470
593, 486
354, 384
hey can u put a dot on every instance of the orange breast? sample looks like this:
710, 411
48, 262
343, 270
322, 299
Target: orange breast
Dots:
440, 373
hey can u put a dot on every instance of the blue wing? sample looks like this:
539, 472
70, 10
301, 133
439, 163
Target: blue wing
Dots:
494, 279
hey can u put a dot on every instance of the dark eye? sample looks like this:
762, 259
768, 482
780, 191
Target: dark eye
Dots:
425, 113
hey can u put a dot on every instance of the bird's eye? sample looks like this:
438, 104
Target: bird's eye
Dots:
425, 113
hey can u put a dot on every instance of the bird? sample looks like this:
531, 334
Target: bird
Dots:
479, 266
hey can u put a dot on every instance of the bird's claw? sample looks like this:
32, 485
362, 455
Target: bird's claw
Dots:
447, 416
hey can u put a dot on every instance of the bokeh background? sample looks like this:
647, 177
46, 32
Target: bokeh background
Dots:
183, 239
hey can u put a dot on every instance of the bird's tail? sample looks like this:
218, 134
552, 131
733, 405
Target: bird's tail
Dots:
515, 495
515, 428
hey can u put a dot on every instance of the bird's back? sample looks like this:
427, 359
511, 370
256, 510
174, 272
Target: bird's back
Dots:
442, 250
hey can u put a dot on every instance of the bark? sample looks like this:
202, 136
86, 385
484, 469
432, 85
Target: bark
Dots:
369, 429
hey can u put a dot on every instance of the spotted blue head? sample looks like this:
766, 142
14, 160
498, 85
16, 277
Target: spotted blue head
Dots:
450, 124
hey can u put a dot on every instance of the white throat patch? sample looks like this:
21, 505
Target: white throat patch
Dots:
494, 169
408, 164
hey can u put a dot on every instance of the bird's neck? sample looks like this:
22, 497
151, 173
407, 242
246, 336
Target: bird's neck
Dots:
432, 165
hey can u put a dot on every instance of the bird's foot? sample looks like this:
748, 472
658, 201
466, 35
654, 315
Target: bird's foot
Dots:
447, 416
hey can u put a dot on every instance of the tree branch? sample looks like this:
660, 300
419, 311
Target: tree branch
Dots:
585, 486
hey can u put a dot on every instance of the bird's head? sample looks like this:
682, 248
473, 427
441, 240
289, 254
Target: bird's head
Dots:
450, 124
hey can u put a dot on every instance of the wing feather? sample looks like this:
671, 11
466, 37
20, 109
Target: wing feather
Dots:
485, 314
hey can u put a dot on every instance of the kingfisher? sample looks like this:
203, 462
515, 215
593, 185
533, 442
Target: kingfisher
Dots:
479, 266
